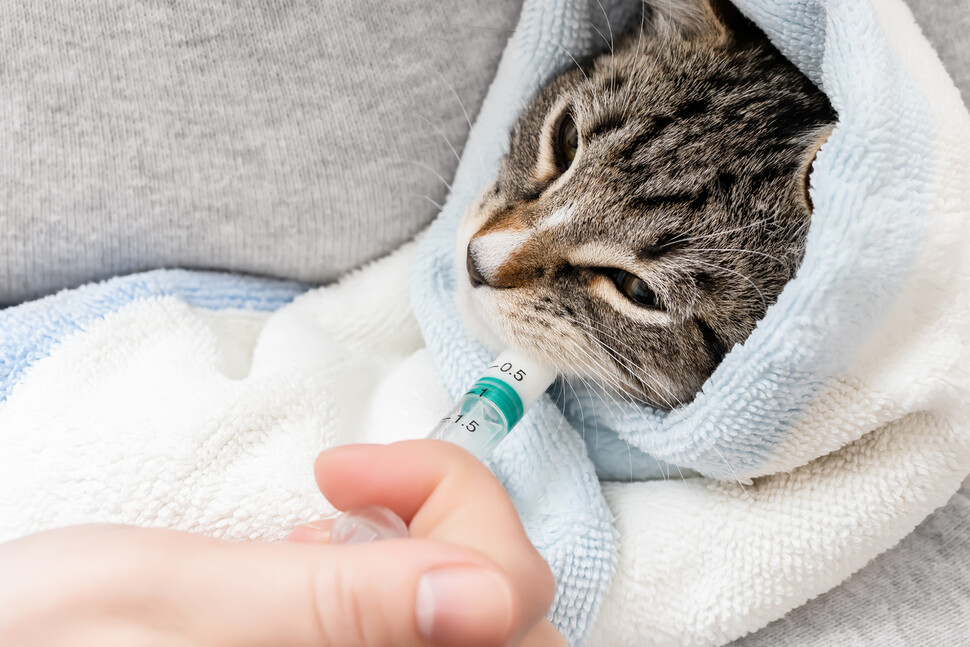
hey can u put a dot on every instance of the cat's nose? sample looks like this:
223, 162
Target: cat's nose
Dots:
474, 275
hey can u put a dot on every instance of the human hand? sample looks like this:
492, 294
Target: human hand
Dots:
445, 494
469, 575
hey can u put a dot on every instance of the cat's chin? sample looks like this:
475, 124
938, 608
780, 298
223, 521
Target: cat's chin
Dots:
475, 322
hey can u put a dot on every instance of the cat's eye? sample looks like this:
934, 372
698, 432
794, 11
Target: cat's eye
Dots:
567, 142
635, 289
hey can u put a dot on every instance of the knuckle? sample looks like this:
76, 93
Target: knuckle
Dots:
338, 609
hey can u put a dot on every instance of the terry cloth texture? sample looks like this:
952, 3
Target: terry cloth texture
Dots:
916, 594
198, 401
289, 139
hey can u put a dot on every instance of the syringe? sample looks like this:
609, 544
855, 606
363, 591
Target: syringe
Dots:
478, 422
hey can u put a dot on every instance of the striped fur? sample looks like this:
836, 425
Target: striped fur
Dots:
695, 142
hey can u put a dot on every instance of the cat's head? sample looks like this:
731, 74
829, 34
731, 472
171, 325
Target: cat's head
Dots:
651, 206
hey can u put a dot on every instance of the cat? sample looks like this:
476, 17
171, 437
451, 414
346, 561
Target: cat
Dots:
652, 204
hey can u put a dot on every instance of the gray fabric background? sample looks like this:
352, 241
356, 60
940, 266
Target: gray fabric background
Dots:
299, 140
295, 139
946, 24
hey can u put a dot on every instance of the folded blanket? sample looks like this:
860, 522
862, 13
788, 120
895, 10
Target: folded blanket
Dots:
199, 401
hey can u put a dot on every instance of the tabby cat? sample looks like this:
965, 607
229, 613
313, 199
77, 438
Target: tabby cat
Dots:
652, 204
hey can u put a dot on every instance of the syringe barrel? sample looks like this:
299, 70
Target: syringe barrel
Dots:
486, 413
479, 421
526, 377
475, 424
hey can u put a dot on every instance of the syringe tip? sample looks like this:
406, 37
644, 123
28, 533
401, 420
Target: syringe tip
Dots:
371, 523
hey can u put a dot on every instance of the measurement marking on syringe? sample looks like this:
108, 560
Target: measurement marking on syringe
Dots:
507, 367
470, 427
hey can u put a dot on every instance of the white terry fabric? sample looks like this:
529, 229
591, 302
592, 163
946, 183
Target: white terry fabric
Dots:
164, 412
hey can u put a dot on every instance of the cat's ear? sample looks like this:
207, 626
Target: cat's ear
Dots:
817, 140
699, 18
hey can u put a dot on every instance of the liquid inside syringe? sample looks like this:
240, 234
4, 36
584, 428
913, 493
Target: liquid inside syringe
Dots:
478, 422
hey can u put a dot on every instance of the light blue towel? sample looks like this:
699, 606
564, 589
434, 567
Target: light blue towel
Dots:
862, 361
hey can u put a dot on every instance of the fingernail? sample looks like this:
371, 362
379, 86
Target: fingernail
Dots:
456, 605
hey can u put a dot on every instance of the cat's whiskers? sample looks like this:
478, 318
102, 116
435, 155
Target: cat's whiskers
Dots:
581, 6
682, 418
561, 361
595, 368
764, 302
629, 450
635, 371
440, 132
672, 409
646, 379
585, 383
398, 160
603, 374
636, 57
610, 388
461, 104
612, 53
683, 241
781, 262
565, 379
424, 197
617, 359
636, 403
570, 55
660, 49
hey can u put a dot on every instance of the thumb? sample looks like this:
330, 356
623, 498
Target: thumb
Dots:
409, 592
